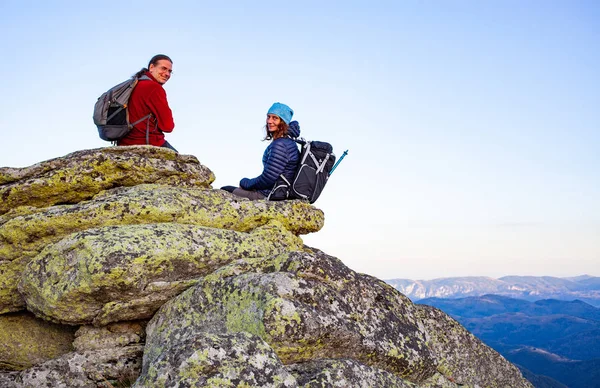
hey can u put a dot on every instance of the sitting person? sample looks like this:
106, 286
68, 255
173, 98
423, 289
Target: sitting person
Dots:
149, 98
280, 157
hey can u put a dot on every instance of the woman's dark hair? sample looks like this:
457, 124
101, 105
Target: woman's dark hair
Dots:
153, 61
282, 129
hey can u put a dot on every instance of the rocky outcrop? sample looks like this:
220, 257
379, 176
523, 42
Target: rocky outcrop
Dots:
83, 174
309, 306
118, 273
25, 231
140, 274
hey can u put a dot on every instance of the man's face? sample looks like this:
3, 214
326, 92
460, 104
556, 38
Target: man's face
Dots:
161, 71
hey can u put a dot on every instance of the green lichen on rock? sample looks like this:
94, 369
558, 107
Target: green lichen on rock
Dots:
113, 367
217, 360
27, 234
121, 273
114, 335
106, 237
309, 307
26, 341
344, 373
304, 314
462, 357
24, 234
81, 175
10, 274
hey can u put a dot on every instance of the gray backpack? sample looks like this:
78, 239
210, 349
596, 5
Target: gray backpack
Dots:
316, 164
111, 115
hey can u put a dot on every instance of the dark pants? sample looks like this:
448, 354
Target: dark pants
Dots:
253, 195
169, 146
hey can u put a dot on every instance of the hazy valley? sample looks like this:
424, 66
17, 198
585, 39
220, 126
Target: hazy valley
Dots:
555, 342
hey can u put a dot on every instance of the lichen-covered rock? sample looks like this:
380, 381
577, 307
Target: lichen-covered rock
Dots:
8, 379
107, 368
464, 358
113, 335
440, 381
106, 237
343, 373
26, 341
82, 174
24, 233
310, 307
217, 360
120, 273
10, 274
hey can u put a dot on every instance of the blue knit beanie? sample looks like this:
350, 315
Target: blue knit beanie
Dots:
283, 111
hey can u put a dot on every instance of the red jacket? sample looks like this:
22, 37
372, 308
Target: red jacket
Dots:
148, 97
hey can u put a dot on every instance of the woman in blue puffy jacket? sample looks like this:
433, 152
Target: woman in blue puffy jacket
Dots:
280, 158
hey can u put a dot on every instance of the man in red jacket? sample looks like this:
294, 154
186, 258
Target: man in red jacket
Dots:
149, 98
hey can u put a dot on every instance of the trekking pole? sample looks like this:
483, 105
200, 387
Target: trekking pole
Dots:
338, 162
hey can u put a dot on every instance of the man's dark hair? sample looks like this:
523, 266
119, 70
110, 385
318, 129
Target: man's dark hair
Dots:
157, 58
153, 61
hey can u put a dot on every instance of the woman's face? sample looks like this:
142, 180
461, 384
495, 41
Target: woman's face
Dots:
273, 122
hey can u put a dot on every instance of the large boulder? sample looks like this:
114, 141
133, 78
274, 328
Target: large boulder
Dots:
82, 174
308, 307
117, 273
26, 341
24, 232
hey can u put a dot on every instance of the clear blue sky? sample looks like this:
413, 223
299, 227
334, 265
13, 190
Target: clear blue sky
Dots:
473, 127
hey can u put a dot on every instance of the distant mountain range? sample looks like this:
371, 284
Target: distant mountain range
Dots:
555, 343
531, 288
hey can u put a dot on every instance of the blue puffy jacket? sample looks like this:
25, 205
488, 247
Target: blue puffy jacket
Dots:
280, 157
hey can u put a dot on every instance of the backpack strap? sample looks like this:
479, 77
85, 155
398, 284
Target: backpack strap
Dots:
322, 166
140, 120
285, 180
147, 117
298, 140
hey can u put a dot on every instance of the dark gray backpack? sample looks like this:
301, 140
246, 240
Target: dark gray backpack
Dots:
316, 164
110, 112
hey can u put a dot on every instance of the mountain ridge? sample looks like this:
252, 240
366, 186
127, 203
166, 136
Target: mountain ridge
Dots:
531, 288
